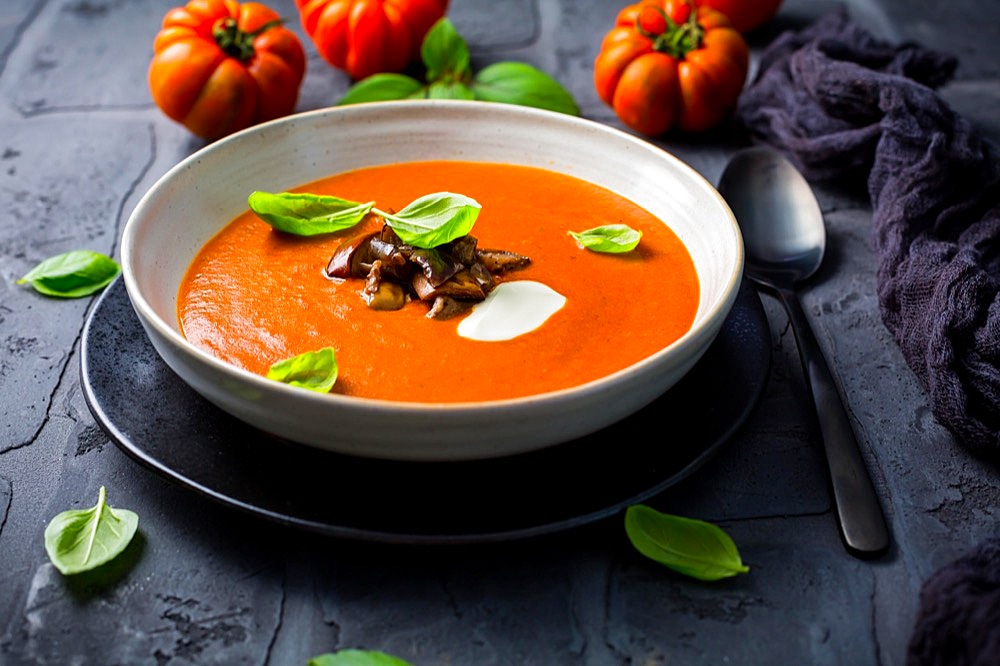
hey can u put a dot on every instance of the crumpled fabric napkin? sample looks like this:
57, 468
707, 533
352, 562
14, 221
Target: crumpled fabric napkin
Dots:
959, 619
840, 103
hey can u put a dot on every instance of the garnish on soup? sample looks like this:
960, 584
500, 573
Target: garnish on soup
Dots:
423, 252
613, 238
254, 296
452, 277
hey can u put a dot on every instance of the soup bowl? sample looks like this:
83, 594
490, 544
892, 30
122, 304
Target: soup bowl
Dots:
203, 193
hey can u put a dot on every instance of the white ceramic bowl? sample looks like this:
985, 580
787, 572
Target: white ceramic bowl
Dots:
196, 198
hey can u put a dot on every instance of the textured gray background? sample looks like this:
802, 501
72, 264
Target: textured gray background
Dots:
80, 141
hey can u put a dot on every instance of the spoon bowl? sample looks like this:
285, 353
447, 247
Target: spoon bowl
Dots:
781, 221
784, 239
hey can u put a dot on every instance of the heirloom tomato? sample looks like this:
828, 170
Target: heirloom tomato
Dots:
668, 63
365, 37
220, 66
745, 15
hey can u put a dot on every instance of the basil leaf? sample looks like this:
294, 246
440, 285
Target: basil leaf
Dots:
315, 370
307, 214
79, 540
520, 83
72, 274
434, 219
614, 238
450, 90
445, 53
356, 658
381, 88
691, 547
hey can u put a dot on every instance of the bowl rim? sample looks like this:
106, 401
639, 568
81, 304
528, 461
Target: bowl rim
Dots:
707, 325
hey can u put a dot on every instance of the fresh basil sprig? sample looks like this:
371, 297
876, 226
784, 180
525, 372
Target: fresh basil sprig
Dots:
429, 221
691, 547
445, 53
314, 370
73, 274
449, 75
307, 214
79, 540
613, 238
351, 657
434, 219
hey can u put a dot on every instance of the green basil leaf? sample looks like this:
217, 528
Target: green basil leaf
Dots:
434, 219
614, 238
382, 88
315, 370
691, 547
445, 53
520, 83
79, 540
356, 658
450, 90
73, 274
307, 214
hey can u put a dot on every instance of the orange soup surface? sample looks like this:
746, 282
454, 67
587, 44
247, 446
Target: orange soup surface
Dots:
254, 296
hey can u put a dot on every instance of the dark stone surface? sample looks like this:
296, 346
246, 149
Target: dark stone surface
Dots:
80, 142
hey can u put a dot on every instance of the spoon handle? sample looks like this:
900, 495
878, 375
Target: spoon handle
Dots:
862, 524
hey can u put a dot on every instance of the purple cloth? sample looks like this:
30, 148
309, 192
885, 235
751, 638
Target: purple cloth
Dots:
842, 104
959, 619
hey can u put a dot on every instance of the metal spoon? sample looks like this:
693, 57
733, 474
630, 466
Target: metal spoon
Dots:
785, 238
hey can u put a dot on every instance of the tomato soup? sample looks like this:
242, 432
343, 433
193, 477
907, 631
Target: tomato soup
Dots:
254, 296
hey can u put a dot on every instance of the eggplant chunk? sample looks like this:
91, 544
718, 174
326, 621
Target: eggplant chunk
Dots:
389, 235
482, 275
452, 277
388, 296
463, 249
350, 257
382, 294
395, 262
438, 267
462, 286
446, 308
500, 261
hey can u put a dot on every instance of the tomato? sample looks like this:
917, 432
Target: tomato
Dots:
365, 37
219, 66
687, 75
745, 15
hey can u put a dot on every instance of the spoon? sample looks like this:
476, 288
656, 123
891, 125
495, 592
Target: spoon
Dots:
785, 237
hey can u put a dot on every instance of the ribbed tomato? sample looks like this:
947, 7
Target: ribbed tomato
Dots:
658, 73
365, 37
745, 15
220, 66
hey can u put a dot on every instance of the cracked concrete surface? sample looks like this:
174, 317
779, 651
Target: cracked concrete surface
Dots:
80, 142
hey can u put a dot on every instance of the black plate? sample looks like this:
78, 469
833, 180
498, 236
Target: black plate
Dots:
158, 420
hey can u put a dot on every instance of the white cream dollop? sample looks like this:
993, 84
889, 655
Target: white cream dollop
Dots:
511, 309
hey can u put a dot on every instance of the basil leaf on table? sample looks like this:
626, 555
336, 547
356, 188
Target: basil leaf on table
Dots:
79, 540
691, 547
307, 214
356, 658
612, 238
314, 370
434, 219
522, 84
73, 274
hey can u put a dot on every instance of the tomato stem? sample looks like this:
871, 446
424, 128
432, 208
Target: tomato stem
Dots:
677, 39
236, 42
